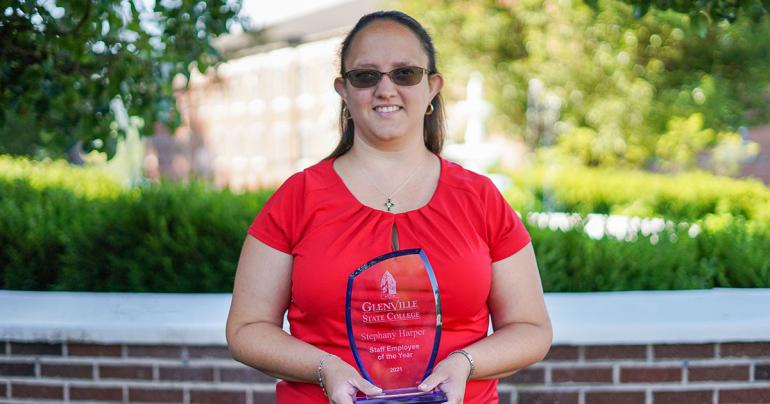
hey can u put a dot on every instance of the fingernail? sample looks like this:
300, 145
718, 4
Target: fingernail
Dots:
423, 386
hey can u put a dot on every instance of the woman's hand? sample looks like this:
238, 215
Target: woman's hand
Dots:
450, 375
342, 382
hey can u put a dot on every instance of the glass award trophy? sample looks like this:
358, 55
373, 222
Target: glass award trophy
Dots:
393, 317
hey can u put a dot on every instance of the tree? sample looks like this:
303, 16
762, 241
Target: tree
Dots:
703, 12
623, 82
70, 67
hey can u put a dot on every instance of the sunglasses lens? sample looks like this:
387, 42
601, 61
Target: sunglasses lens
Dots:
364, 78
407, 76
403, 76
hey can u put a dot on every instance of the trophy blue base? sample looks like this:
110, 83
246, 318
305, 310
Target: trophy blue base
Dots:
405, 396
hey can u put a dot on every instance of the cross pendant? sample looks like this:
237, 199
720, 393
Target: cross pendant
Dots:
389, 204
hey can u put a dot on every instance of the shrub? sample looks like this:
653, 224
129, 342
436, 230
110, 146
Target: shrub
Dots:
682, 197
81, 181
63, 228
69, 230
167, 238
35, 227
731, 255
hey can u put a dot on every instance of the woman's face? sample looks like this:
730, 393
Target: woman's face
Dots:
387, 112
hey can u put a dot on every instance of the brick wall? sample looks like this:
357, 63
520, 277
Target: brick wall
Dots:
684, 373
128, 373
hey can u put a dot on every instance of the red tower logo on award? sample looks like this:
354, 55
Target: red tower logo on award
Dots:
388, 286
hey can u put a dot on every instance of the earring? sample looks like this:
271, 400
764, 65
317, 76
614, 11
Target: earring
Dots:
345, 113
430, 109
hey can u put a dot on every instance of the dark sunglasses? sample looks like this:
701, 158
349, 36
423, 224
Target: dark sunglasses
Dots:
402, 76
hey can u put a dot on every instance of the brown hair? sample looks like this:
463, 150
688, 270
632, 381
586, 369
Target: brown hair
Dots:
433, 128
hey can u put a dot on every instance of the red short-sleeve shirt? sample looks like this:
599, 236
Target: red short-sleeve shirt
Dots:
463, 229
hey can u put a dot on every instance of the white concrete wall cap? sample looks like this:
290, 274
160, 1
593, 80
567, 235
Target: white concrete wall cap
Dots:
604, 318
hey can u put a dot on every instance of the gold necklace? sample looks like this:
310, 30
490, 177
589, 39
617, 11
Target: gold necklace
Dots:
389, 204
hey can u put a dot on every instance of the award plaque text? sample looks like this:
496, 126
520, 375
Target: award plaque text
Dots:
393, 317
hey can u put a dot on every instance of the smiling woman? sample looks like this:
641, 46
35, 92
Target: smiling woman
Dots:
386, 188
423, 57
384, 109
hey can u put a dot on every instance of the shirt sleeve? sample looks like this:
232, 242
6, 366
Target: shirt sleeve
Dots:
506, 233
277, 224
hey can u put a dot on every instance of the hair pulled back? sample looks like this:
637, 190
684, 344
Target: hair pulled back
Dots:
433, 128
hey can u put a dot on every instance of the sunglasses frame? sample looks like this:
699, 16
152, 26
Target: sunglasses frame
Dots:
347, 74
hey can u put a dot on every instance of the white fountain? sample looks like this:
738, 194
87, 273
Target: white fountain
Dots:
475, 153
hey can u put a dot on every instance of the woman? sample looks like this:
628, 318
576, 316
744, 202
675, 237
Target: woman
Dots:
386, 188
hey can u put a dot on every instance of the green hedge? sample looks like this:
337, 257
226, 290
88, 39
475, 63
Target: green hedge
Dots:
732, 250
89, 183
74, 229
64, 228
733, 254
682, 197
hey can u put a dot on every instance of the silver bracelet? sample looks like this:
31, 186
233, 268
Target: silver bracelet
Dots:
469, 358
320, 368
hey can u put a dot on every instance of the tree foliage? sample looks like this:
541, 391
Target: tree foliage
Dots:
703, 12
70, 67
623, 81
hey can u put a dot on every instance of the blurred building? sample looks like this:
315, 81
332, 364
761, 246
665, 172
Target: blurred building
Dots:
269, 111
